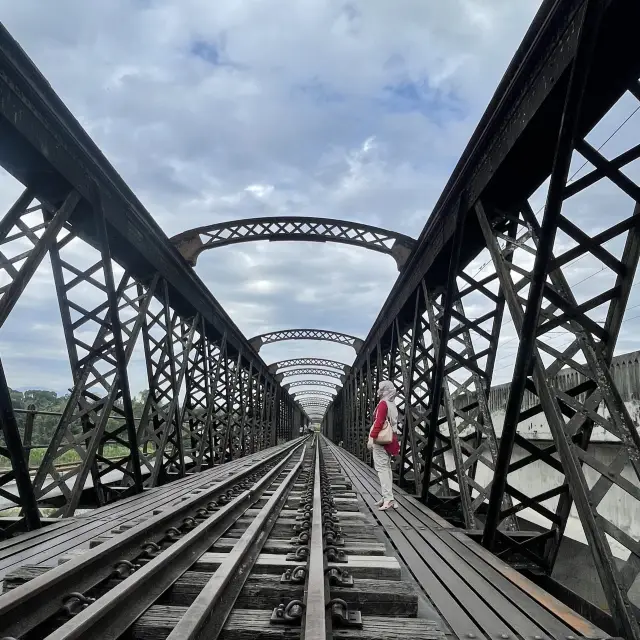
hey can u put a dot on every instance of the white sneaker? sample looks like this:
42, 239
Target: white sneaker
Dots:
387, 505
380, 502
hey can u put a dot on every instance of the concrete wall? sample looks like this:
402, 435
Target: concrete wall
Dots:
626, 375
618, 506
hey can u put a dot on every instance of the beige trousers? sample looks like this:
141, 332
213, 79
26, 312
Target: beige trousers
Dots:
382, 464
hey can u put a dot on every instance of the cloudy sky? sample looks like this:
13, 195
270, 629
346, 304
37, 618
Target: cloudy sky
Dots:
214, 111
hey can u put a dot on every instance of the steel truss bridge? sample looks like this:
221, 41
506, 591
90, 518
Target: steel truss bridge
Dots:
221, 432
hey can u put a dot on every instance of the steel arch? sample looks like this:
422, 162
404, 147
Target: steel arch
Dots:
314, 400
309, 393
193, 242
309, 362
309, 382
314, 405
302, 371
306, 334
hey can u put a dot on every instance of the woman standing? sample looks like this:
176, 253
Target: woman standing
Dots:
382, 453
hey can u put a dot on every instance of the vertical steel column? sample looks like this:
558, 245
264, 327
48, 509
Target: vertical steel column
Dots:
118, 343
371, 405
559, 174
247, 409
15, 453
441, 350
408, 371
233, 387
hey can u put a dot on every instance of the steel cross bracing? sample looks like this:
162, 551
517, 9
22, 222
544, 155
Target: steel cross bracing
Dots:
305, 334
211, 398
494, 266
193, 242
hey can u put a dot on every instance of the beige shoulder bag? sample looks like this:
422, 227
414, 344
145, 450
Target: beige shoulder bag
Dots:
386, 433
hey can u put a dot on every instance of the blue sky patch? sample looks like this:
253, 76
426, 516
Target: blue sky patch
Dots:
318, 91
207, 51
407, 96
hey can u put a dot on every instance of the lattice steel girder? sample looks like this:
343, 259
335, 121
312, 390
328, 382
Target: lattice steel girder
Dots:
573, 413
193, 242
80, 196
18, 457
308, 362
168, 342
469, 426
99, 374
310, 382
43, 146
305, 334
197, 408
517, 130
302, 371
553, 304
23, 224
235, 411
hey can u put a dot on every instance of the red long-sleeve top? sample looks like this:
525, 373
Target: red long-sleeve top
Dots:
393, 448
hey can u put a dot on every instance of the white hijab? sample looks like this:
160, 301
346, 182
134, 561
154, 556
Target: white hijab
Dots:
387, 392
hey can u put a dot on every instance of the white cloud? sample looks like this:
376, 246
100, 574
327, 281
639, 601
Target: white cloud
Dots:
226, 110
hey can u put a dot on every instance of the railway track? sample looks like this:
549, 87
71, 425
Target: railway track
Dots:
279, 549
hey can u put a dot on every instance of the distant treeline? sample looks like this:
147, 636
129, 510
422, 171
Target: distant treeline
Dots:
44, 426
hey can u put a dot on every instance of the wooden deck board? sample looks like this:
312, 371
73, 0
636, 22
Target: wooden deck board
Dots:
468, 586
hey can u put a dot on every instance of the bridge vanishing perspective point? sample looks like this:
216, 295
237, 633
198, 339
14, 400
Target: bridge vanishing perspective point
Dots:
206, 508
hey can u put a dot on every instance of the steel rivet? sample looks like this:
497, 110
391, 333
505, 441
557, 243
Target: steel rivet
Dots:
471, 635
504, 636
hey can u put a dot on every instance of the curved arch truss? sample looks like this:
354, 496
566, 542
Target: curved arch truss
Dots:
309, 362
193, 242
312, 393
317, 406
314, 400
306, 334
313, 372
310, 382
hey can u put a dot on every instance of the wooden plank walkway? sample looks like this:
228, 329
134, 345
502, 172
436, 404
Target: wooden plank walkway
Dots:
475, 593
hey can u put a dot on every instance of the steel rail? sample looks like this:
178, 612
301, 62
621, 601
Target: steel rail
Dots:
317, 618
27, 606
110, 616
208, 613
